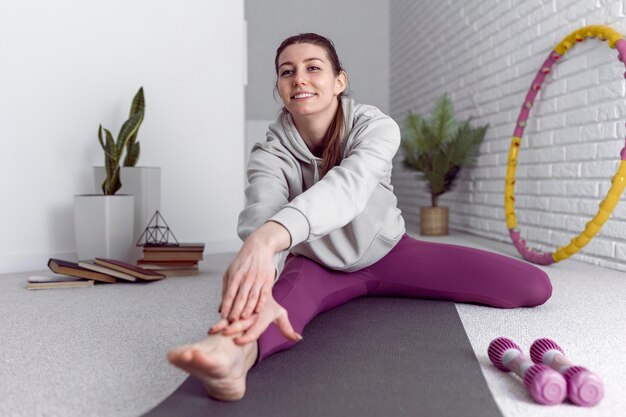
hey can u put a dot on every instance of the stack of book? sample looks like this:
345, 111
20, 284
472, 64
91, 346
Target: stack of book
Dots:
172, 260
85, 273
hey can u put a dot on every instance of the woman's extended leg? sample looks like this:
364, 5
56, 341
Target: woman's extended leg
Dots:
305, 289
441, 271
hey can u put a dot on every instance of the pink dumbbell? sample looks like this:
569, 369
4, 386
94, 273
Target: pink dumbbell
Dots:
583, 386
543, 383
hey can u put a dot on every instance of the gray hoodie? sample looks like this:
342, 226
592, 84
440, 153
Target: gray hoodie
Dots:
346, 220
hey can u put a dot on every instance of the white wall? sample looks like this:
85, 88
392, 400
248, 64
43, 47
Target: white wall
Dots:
68, 66
485, 53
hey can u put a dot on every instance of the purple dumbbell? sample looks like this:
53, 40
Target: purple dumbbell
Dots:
583, 386
543, 383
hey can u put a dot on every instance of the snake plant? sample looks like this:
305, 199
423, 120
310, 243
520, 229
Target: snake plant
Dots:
126, 139
132, 146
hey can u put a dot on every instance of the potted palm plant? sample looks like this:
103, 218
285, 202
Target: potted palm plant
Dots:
141, 181
104, 223
438, 148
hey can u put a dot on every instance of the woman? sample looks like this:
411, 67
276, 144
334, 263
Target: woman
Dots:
320, 188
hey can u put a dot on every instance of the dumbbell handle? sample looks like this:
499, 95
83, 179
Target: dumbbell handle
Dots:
516, 363
556, 360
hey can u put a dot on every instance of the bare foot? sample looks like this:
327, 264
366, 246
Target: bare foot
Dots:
219, 363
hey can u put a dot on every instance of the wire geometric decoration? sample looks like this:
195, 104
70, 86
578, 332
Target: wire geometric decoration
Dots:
156, 235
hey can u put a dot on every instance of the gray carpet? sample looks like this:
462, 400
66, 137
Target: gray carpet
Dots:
100, 351
370, 357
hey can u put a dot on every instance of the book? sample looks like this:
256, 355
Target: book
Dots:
99, 268
182, 247
129, 269
172, 256
72, 269
45, 282
164, 267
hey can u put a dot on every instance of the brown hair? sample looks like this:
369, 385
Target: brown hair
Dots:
332, 139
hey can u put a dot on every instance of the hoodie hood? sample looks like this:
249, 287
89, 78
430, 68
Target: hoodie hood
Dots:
284, 130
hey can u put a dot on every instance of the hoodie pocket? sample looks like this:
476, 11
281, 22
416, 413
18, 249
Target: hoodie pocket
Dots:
379, 247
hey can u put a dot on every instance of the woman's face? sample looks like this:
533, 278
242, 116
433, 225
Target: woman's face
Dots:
306, 82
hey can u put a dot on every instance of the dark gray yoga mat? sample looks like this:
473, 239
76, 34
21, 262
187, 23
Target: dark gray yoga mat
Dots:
373, 356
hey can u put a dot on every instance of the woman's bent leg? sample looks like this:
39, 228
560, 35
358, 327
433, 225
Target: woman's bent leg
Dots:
434, 270
305, 289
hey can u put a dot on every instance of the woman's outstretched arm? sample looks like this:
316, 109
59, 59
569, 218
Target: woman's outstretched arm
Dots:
247, 283
249, 278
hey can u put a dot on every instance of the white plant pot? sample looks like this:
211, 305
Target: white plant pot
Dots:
145, 184
103, 226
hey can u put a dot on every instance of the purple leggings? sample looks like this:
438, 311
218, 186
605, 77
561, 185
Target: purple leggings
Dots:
411, 269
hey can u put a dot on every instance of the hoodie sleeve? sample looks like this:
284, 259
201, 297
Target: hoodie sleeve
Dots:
268, 189
343, 192
267, 192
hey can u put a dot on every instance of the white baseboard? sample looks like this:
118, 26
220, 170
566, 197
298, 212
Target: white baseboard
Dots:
11, 263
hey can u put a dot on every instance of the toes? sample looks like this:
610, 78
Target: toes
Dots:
173, 355
180, 355
190, 360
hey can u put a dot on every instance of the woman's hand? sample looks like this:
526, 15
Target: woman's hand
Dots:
247, 283
256, 324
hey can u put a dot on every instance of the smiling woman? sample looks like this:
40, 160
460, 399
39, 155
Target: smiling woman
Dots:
320, 192
311, 82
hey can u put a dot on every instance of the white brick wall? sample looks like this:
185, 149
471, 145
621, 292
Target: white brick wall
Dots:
484, 54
